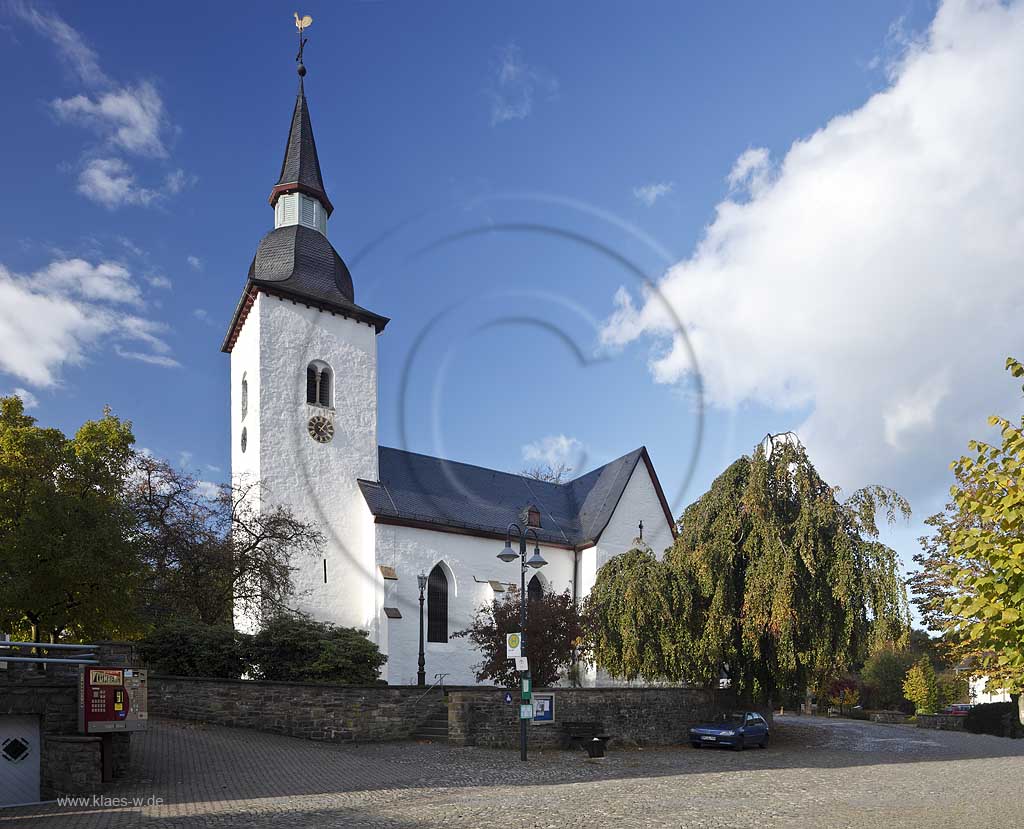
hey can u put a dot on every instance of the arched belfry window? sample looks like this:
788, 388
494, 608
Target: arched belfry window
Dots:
534, 590
318, 384
437, 605
245, 396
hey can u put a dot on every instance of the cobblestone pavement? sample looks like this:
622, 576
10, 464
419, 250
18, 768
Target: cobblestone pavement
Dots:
817, 773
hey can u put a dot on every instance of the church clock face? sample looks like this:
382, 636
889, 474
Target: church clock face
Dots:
320, 429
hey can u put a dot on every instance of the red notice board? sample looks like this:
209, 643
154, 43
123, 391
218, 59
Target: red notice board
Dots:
111, 699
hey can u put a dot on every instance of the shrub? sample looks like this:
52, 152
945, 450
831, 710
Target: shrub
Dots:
998, 718
292, 648
554, 632
921, 687
184, 648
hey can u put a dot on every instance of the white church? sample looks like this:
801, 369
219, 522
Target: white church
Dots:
304, 422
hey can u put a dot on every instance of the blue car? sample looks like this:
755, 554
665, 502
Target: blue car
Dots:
736, 730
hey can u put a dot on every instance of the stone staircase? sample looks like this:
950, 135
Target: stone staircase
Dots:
434, 726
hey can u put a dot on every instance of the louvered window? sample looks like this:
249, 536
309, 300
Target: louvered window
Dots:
308, 212
288, 215
437, 605
534, 590
311, 383
324, 394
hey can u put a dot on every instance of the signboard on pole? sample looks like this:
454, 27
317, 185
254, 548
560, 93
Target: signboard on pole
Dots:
513, 645
527, 687
526, 712
522, 664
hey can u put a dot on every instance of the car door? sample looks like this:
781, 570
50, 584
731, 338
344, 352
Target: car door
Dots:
754, 727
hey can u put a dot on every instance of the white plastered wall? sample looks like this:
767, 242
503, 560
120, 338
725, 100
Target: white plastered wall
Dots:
473, 562
318, 481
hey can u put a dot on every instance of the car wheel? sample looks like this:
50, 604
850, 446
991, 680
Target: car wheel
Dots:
695, 745
765, 741
739, 745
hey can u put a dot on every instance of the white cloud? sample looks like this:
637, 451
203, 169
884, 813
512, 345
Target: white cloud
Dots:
161, 282
153, 359
648, 194
871, 279
194, 262
750, 171
516, 86
111, 182
202, 315
108, 281
53, 317
70, 45
29, 400
131, 117
554, 451
208, 489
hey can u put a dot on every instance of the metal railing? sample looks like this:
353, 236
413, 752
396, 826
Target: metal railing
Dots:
87, 655
438, 681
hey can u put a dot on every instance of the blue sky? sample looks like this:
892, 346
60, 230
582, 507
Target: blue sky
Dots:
782, 171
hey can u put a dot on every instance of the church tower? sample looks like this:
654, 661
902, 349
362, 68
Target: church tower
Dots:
304, 385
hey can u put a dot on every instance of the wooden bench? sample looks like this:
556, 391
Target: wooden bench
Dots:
585, 735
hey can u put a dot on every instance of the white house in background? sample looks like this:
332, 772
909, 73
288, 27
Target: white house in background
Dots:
304, 422
980, 692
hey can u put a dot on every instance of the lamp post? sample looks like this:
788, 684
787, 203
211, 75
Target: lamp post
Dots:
536, 561
421, 674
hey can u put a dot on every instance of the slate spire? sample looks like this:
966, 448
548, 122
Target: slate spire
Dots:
300, 170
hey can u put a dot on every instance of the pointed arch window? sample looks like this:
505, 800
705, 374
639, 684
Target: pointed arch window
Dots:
534, 590
318, 384
437, 605
245, 396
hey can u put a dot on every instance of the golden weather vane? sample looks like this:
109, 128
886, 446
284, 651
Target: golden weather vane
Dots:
302, 23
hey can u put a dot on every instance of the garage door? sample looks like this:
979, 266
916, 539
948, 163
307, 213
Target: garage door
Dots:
19, 759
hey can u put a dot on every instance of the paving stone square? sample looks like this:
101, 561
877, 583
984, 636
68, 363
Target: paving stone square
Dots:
818, 773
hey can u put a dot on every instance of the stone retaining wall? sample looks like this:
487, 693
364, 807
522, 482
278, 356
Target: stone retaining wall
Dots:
334, 713
890, 717
941, 722
632, 716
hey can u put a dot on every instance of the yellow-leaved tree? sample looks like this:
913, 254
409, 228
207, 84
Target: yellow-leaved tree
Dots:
987, 614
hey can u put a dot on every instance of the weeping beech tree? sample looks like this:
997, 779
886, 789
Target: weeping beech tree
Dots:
772, 581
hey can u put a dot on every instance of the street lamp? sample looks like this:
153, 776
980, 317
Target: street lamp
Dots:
536, 561
421, 674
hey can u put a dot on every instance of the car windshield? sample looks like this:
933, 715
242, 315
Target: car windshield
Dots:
735, 718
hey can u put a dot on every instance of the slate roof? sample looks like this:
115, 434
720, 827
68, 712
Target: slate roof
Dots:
296, 262
424, 490
300, 169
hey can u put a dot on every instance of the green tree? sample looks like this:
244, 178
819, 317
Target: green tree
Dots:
295, 648
633, 618
554, 637
921, 687
884, 673
986, 546
68, 564
790, 586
